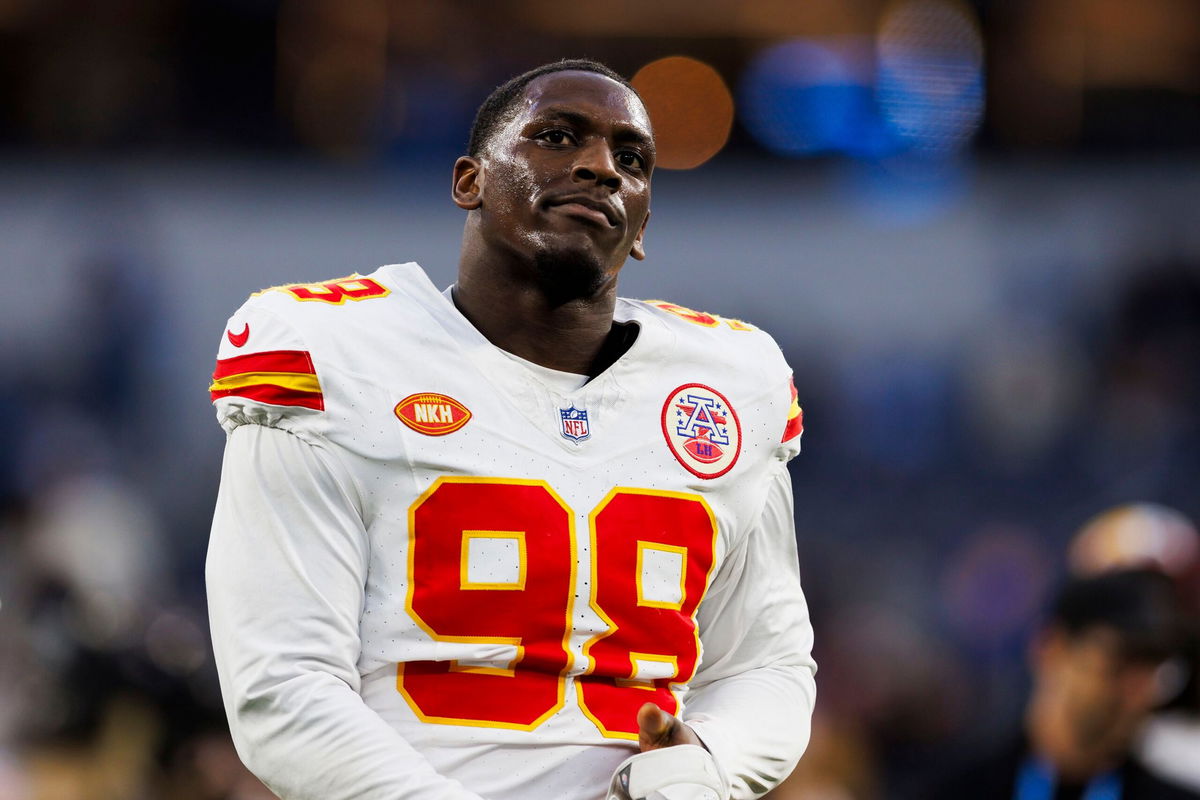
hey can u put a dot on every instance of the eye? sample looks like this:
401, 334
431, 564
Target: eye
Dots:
556, 136
631, 159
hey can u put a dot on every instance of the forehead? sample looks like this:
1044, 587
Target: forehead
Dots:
595, 96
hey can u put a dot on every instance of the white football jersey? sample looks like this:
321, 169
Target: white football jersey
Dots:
435, 573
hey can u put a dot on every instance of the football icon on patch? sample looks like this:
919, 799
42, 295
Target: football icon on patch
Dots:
702, 430
432, 414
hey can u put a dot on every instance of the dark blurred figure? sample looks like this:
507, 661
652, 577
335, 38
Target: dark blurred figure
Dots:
1096, 668
1152, 536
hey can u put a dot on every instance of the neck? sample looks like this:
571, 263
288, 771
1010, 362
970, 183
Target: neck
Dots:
519, 316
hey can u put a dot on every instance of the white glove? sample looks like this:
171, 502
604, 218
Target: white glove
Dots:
682, 772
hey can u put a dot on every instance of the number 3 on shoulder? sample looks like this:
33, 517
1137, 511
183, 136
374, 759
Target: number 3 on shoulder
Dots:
335, 292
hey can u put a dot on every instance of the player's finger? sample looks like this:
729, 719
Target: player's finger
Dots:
655, 727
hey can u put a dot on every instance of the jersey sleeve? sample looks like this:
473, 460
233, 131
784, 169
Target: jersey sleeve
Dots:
752, 699
265, 373
286, 571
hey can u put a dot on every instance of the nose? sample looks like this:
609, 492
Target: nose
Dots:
595, 164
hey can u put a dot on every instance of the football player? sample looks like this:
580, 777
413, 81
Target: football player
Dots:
496, 541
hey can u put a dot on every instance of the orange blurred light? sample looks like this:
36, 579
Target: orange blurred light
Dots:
690, 107
1136, 535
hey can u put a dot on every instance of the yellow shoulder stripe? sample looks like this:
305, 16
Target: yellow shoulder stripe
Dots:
296, 381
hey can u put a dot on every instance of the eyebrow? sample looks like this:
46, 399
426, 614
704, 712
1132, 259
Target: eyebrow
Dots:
626, 133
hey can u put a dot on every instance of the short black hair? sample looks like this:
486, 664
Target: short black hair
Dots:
1139, 604
493, 111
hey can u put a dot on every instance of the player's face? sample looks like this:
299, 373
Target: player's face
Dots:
566, 181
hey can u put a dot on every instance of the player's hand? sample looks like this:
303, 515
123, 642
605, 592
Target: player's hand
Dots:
657, 728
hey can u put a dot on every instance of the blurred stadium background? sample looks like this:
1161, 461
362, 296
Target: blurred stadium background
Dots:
974, 227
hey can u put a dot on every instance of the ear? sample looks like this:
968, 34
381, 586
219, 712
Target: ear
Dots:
467, 189
638, 251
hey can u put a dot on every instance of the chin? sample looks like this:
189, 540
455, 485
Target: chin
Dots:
567, 275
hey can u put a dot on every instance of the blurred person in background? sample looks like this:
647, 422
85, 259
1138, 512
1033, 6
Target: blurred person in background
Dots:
1152, 536
392, 585
1097, 670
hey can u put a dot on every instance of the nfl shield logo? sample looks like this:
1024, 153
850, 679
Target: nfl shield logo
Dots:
575, 424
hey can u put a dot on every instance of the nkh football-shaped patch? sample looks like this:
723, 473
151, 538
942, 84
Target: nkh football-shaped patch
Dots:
432, 414
702, 430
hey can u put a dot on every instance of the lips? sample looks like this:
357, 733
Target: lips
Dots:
587, 208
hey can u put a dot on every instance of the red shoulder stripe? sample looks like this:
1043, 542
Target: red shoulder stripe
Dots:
275, 395
795, 421
298, 361
278, 377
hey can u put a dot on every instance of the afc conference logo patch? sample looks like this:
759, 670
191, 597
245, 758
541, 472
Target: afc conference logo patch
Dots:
575, 424
702, 430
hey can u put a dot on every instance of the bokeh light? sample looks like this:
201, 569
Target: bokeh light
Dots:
994, 586
917, 88
807, 97
690, 107
1137, 535
930, 74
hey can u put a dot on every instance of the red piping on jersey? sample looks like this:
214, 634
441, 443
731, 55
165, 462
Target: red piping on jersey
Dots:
795, 421
269, 361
